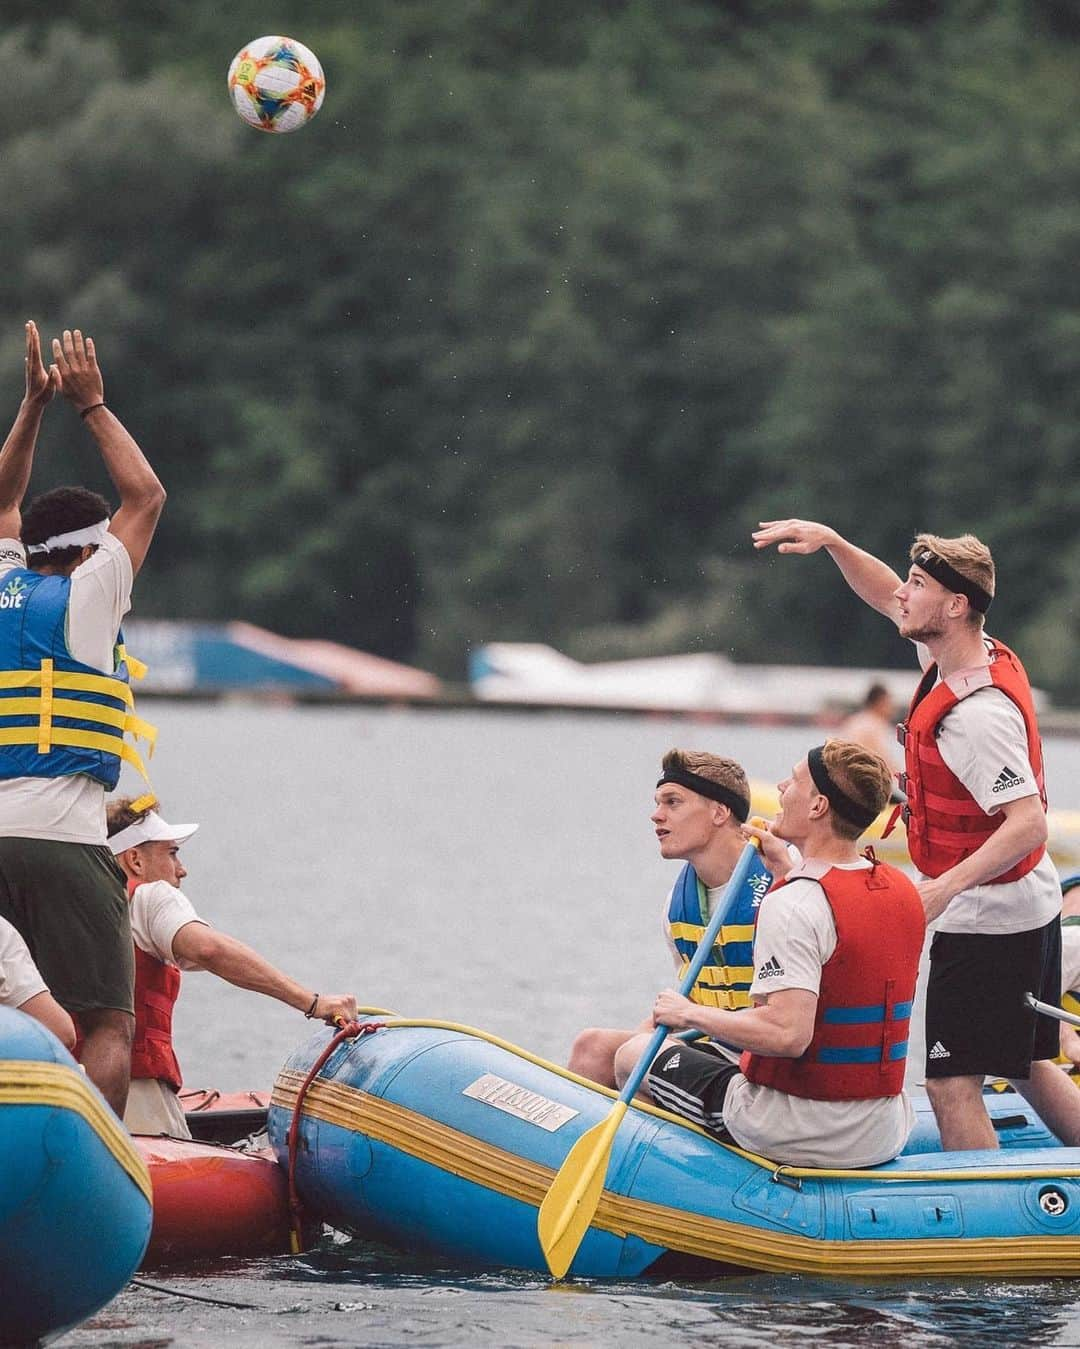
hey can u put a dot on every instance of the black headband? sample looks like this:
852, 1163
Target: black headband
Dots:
738, 805
839, 800
951, 579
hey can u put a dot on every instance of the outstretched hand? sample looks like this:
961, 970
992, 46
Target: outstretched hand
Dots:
794, 536
78, 373
41, 384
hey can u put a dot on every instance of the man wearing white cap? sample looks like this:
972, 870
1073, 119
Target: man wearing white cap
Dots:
66, 572
170, 937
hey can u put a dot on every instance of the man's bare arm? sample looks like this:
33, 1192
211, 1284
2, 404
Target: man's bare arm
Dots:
141, 494
871, 579
1024, 830
17, 453
238, 964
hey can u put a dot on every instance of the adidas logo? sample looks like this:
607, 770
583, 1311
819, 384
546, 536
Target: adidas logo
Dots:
673, 1062
939, 1051
1006, 779
770, 969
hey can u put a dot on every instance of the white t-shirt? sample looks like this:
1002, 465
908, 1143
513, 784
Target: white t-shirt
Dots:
158, 912
984, 743
796, 935
20, 978
1070, 958
72, 809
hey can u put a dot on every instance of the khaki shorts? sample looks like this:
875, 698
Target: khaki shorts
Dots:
69, 901
153, 1108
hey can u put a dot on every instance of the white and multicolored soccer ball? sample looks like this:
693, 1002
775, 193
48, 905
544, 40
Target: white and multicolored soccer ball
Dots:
276, 84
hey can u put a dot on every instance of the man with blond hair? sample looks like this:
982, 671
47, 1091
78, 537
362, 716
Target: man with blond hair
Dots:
976, 818
701, 803
835, 960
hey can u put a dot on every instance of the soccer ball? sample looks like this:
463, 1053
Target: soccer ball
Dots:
276, 84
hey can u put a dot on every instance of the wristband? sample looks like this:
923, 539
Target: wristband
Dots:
92, 408
311, 1010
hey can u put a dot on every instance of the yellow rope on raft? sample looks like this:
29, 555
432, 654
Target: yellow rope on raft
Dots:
774, 1168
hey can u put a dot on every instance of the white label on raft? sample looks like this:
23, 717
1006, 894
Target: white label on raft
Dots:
520, 1102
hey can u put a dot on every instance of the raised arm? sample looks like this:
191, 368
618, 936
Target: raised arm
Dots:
871, 579
238, 964
17, 453
141, 494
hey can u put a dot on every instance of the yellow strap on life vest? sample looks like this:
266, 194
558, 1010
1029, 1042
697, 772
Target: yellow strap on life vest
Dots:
44, 707
75, 710
142, 730
137, 669
82, 683
693, 932
47, 706
724, 976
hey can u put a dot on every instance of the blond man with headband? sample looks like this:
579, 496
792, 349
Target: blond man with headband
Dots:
835, 959
701, 803
169, 937
976, 818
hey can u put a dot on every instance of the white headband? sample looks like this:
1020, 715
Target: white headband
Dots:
150, 829
74, 538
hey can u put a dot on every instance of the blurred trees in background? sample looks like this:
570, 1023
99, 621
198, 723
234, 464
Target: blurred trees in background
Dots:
553, 302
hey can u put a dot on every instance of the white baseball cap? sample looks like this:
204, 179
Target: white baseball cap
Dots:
150, 829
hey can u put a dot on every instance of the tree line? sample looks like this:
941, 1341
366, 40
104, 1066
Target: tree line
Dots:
553, 302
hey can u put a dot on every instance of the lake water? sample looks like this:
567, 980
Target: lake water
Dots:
497, 869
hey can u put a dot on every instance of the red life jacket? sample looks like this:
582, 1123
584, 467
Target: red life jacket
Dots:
945, 823
157, 986
860, 1038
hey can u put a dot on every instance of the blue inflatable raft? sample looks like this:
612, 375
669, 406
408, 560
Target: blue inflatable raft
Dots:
432, 1136
74, 1194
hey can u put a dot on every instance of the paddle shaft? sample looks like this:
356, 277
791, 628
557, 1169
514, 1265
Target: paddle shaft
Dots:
569, 1205
701, 955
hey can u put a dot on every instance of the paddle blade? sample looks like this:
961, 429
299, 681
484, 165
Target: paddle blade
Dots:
570, 1204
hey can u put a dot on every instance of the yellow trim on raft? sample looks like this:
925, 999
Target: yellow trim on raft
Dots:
775, 1169
674, 1229
31, 1082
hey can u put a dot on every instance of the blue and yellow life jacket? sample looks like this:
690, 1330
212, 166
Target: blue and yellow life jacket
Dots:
726, 977
58, 716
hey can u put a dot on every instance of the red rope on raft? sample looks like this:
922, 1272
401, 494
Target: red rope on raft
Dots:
349, 1030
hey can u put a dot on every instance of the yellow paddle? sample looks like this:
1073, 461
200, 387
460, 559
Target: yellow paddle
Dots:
570, 1204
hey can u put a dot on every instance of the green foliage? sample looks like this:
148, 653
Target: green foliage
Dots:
554, 301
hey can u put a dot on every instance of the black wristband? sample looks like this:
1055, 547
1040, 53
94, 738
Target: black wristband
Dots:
92, 408
314, 1003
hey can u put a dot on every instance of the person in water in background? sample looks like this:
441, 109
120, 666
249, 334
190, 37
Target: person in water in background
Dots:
873, 725
22, 986
702, 801
835, 958
170, 936
976, 830
66, 573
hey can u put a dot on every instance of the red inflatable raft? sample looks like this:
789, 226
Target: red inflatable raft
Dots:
216, 1198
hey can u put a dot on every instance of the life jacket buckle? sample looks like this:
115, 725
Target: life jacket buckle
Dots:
902, 734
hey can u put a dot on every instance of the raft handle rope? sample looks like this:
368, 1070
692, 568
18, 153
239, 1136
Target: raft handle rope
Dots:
347, 1030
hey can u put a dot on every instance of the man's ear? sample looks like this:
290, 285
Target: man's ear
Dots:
133, 861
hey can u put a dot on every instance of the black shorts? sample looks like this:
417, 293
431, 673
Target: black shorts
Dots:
976, 1020
692, 1081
